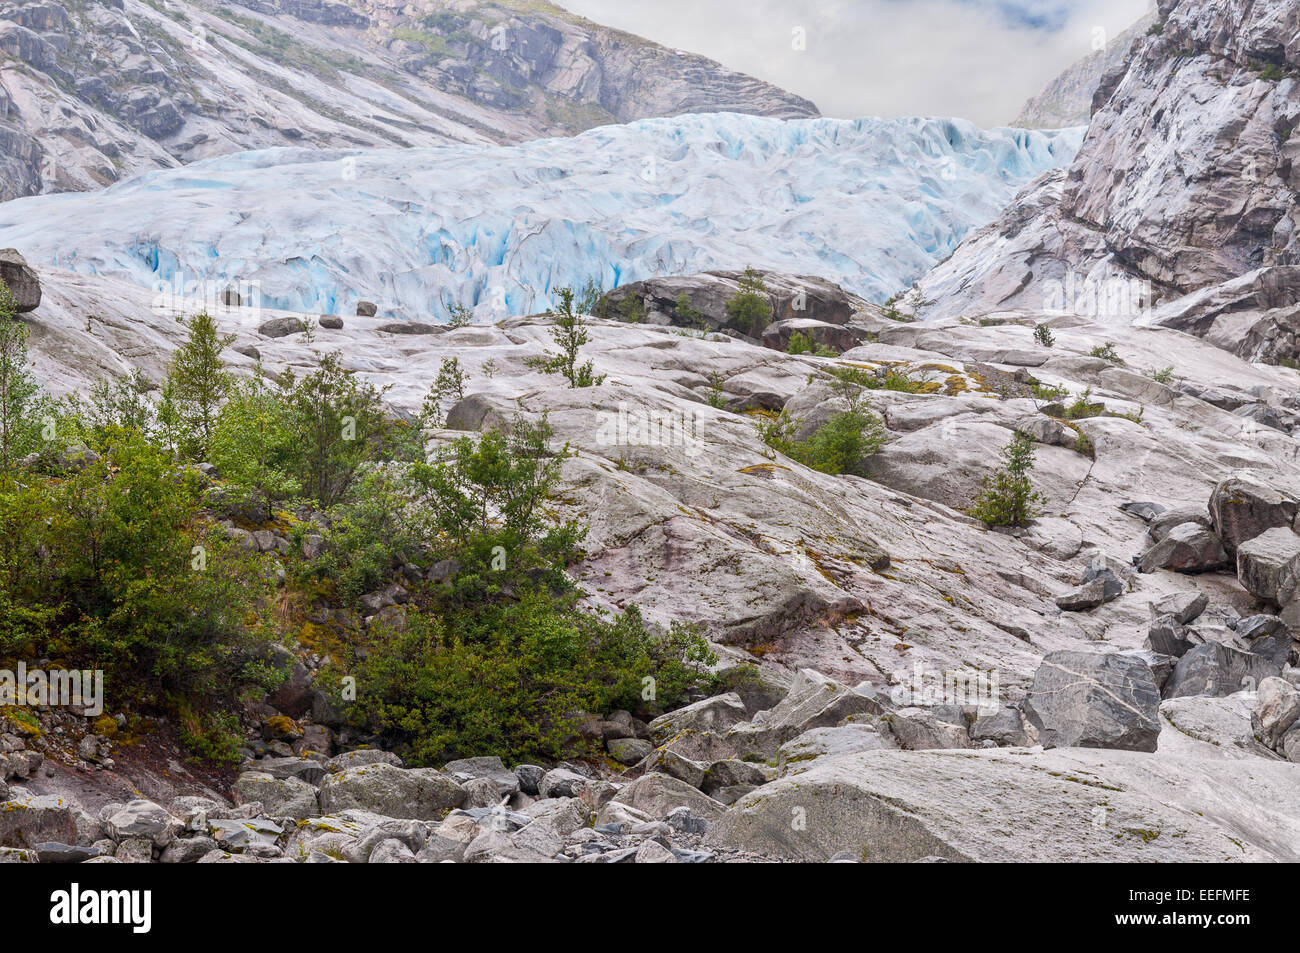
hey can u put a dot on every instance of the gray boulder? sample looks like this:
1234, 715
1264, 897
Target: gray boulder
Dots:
814, 701
1094, 700
418, 793
1189, 548
918, 729
280, 797
1267, 635
141, 818
799, 753
1004, 727
1217, 669
26, 822
716, 714
361, 757
1088, 596
1268, 565
657, 795
1185, 607
628, 750
1168, 637
488, 768
21, 279
282, 327
1065, 804
1242, 509
1277, 706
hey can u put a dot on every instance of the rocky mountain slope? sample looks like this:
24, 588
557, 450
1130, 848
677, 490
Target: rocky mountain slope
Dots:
1180, 208
897, 639
869, 203
1068, 99
97, 91
1115, 680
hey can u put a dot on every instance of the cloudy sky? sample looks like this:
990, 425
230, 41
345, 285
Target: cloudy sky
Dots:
980, 59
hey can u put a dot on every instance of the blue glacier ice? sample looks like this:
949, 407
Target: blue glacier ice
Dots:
870, 203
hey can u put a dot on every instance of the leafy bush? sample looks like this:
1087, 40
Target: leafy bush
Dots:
337, 423
510, 677
570, 333
1107, 352
1008, 497
197, 385
749, 309
837, 446
1044, 336
21, 402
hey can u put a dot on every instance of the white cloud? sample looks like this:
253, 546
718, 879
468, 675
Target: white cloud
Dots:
972, 58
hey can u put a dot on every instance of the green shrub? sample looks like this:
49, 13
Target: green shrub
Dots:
510, 677
837, 446
197, 385
21, 402
1008, 497
570, 332
1107, 352
337, 423
749, 309
1044, 336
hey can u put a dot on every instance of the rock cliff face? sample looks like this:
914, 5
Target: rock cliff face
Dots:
92, 92
1068, 99
1185, 182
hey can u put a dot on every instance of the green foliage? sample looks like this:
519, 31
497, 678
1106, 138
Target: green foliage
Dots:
857, 376
254, 443
1083, 407
448, 389
488, 495
124, 575
801, 343
717, 398
510, 678
631, 309
570, 333
21, 404
368, 537
1008, 497
688, 314
750, 310
837, 446
459, 316
1107, 352
1044, 336
1163, 376
197, 385
338, 424
1044, 392
592, 297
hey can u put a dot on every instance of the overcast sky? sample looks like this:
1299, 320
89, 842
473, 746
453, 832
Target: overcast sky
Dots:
980, 59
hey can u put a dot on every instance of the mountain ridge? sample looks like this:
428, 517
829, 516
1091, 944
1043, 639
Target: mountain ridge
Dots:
97, 91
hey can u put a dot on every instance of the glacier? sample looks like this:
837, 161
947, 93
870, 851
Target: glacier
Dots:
872, 204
